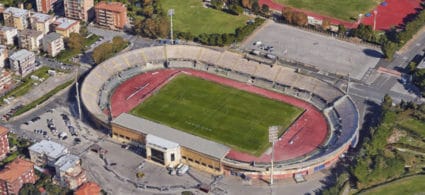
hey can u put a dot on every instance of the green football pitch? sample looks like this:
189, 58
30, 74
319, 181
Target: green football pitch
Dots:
219, 113
192, 16
341, 9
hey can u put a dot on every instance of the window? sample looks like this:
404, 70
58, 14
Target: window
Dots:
217, 169
191, 160
173, 157
197, 161
203, 164
210, 166
184, 157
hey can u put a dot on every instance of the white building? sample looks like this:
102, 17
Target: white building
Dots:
41, 22
46, 152
22, 62
8, 35
53, 44
162, 151
69, 172
4, 54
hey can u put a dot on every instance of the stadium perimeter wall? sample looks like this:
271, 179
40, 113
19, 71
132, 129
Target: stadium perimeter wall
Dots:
145, 57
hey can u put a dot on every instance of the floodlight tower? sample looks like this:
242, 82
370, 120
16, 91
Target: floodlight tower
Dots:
171, 13
77, 96
273, 130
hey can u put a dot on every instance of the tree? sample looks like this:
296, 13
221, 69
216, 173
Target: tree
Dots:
387, 103
326, 24
389, 48
29, 189
265, 9
75, 42
246, 4
148, 11
341, 29
255, 7
300, 19
287, 14
28, 6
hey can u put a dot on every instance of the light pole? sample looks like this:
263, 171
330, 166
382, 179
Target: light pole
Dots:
171, 13
273, 130
78, 96
375, 13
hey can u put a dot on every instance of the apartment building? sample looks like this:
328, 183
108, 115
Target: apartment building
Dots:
46, 152
8, 35
30, 39
112, 15
53, 44
15, 17
79, 9
22, 62
41, 22
4, 54
15, 175
69, 172
4, 142
66, 26
45, 6
5, 82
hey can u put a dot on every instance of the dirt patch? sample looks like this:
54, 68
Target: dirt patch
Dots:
396, 135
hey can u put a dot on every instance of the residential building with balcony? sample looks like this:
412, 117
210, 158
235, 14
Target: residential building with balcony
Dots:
5, 82
4, 54
69, 172
41, 22
112, 15
53, 44
4, 142
8, 35
79, 9
22, 62
15, 17
15, 175
30, 39
45, 6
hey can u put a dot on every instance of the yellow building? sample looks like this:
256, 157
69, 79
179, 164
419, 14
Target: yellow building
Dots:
66, 26
167, 146
15, 17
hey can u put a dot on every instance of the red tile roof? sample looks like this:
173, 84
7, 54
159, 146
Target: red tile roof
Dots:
15, 169
111, 6
89, 188
3, 130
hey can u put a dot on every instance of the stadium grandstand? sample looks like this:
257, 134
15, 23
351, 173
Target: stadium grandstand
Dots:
157, 65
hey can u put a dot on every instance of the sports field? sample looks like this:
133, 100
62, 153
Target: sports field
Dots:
191, 16
220, 113
410, 185
341, 9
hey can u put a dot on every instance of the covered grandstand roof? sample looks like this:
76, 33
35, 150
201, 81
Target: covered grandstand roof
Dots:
184, 139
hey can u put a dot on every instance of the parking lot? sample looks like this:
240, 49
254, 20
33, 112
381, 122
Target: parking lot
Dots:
323, 52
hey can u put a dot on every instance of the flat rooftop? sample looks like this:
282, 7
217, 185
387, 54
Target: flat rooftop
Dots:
64, 23
49, 148
184, 139
16, 12
40, 17
21, 54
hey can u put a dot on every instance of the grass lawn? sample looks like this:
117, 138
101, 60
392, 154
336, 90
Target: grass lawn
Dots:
223, 114
28, 83
341, 9
414, 125
410, 185
191, 16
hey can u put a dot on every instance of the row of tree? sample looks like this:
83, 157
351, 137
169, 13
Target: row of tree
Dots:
108, 49
154, 23
225, 38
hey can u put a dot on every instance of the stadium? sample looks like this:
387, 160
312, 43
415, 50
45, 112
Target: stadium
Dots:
322, 122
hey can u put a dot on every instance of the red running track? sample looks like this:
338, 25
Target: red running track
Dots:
391, 15
302, 138
133, 91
